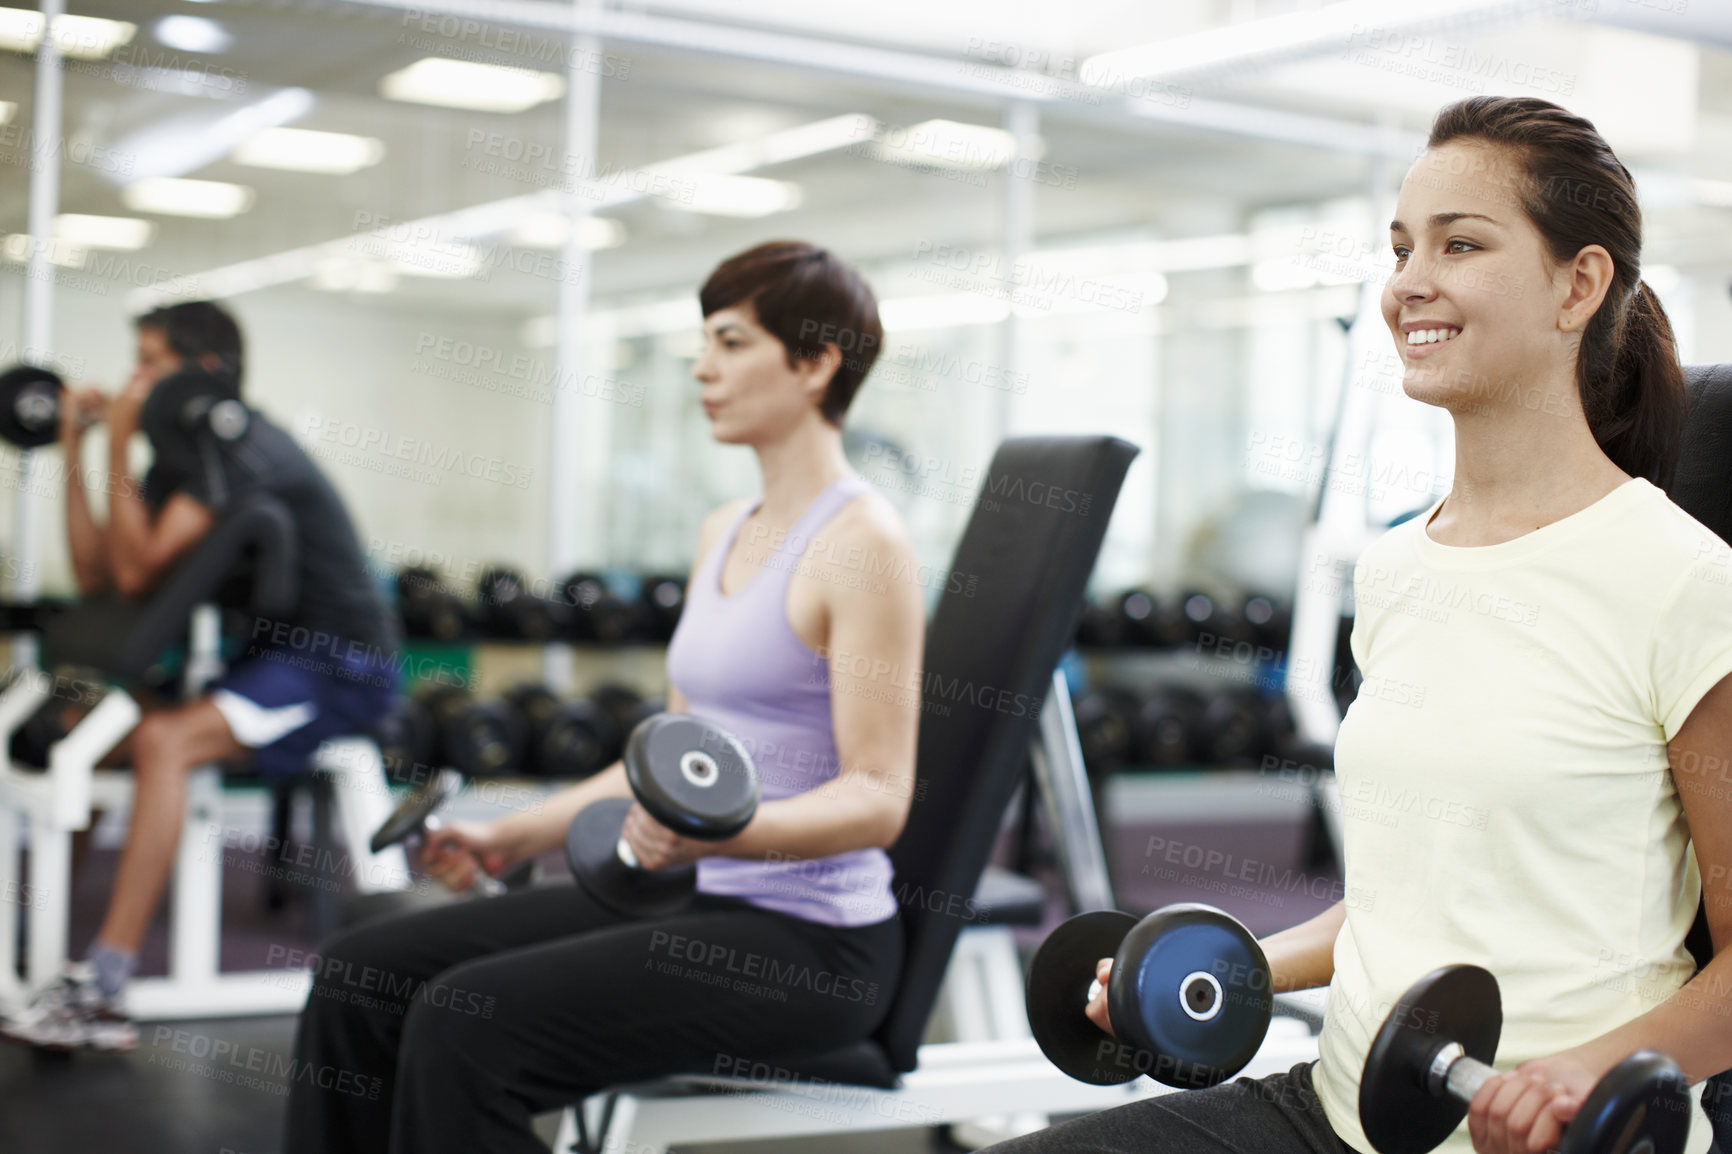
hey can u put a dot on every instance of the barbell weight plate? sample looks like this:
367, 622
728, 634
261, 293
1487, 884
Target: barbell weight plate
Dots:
590, 851
1454, 1004
413, 811
1058, 986
30, 399
1195, 992
693, 777
1641, 1106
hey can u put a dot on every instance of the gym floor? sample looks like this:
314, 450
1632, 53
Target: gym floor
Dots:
150, 1100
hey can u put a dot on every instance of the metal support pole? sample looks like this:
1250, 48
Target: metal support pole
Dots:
1064, 788
1022, 121
38, 320
1331, 544
574, 501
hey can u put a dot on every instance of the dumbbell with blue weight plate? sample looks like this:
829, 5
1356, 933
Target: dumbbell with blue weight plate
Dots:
691, 776
1189, 996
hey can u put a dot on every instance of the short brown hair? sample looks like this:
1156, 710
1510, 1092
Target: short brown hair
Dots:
806, 298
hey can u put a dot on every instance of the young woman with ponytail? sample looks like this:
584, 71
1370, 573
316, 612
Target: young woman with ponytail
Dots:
1540, 798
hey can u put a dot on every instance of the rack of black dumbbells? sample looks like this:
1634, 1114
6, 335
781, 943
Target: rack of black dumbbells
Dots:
1187, 682
527, 731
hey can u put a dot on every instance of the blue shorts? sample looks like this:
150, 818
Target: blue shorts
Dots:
283, 703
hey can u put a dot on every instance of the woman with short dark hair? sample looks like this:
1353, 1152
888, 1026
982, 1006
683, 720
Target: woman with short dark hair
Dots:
455, 1026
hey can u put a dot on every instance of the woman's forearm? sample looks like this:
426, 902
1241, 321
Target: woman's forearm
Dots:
1303, 957
1693, 1027
819, 823
526, 835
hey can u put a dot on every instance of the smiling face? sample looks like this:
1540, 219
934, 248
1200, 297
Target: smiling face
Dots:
750, 393
1480, 312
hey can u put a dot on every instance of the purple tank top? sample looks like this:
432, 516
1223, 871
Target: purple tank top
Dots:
740, 664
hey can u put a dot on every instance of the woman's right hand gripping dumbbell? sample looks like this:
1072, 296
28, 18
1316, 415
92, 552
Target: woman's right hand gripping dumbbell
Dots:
459, 852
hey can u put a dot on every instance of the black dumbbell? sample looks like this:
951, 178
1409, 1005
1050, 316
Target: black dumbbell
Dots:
596, 613
564, 739
1096, 626
1166, 728
693, 777
510, 610
406, 739
1270, 621
1231, 731
1189, 996
625, 708
1434, 1052
30, 406
416, 816
1105, 726
1169, 627
662, 600
428, 608
478, 738
1136, 614
579, 741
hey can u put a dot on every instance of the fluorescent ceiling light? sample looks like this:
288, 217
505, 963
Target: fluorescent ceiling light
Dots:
720, 195
910, 314
948, 144
15, 247
168, 196
497, 217
117, 232
193, 34
186, 143
465, 84
1290, 34
345, 274
303, 150
80, 37
780, 147
444, 260
552, 229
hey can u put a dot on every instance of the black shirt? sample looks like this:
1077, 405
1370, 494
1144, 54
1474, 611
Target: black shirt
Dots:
337, 593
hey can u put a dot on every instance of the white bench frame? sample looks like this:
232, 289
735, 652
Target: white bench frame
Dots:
42, 810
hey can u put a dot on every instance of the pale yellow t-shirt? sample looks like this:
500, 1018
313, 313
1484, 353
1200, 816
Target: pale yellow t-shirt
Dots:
1506, 796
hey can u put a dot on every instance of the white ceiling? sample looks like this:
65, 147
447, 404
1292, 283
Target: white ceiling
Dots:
1143, 177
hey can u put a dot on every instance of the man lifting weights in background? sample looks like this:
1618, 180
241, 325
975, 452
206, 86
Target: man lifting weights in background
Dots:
278, 710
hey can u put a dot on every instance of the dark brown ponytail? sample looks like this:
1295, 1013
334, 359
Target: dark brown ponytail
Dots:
1577, 193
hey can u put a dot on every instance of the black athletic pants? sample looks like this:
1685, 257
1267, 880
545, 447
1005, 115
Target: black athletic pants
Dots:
446, 1030
1279, 1114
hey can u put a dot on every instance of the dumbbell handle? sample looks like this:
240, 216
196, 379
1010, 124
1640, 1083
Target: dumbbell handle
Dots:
624, 852
1452, 1072
489, 885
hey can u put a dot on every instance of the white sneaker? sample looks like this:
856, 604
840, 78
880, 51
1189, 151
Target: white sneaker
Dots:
73, 1014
